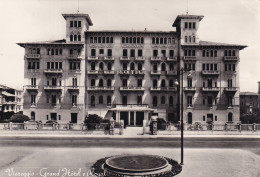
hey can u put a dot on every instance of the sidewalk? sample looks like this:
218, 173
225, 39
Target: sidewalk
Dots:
67, 133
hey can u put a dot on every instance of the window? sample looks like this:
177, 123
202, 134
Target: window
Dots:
101, 51
53, 100
123, 40
140, 66
139, 99
155, 67
79, 24
124, 99
140, 52
33, 99
100, 99
163, 83
75, 24
171, 101
101, 66
71, 37
139, 83
32, 115
109, 66
33, 81
163, 53
216, 118
132, 66
189, 66
74, 82
154, 100
124, 66
109, 83
230, 101
75, 37
171, 83
109, 100
189, 53
93, 81
163, 100
124, 82
229, 83
230, 117
163, 67
186, 24
171, 52
230, 67
189, 82
92, 101
189, 118
210, 101
154, 83
71, 23
189, 101
155, 53
100, 83
74, 100
171, 66
109, 52
124, 52
132, 54
93, 66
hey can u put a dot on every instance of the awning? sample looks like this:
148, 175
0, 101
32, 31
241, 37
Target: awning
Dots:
133, 108
8, 94
99, 113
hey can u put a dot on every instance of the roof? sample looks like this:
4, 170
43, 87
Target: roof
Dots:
131, 31
180, 17
86, 16
53, 42
248, 93
218, 44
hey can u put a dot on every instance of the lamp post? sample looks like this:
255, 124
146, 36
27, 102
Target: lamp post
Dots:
182, 71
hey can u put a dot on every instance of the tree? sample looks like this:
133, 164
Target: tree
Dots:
92, 120
19, 118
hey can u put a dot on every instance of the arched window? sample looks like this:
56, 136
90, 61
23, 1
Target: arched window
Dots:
123, 40
99, 39
229, 53
194, 39
234, 53
163, 67
142, 40
165, 41
107, 40
171, 101
140, 66
111, 40
154, 100
171, 83
153, 40
38, 51
75, 37
132, 66
230, 117
92, 100
189, 38
186, 39
109, 83
134, 40
155, 67
171, 66
163, 83
154, 83
109, 100
189, 118
71, 37
161, 40
163, 100
95, 39
101, 66
100, 99
93, 82
79, 37
32, 115
138, 40
91, 39
93, 66
130, 40
126, 40
124, 66
100, 84
157, 40
109, 66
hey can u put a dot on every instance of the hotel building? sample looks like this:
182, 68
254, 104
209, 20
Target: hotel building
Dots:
131, 75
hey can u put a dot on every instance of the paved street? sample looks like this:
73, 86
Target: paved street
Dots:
204, 156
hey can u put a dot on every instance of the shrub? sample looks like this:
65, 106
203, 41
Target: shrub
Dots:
19, 118
92, 120
161, 124
51, 122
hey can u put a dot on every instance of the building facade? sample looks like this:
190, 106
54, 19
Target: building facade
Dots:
11, 101
131, 75
248, 102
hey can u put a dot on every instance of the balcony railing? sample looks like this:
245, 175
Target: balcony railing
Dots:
75, 88
230, 58
52, 87
172, 73
131, 72
125, 58
155, 58
210, 89
97, 88
155, 72
208, 72
131, 105
33, 56
53, 71
9, 102
31, 87
92, 58
109, 72
171, 89
131, 88
189, 58
92, 72
231, 89
109, 58
189, 89
140, 58
172, 59
74, 57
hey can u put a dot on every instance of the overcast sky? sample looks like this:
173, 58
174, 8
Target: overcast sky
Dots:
227, 21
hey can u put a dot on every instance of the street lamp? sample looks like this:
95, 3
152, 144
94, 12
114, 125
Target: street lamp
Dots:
182, 71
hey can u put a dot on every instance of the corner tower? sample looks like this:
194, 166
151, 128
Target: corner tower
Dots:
76, 25
187, 27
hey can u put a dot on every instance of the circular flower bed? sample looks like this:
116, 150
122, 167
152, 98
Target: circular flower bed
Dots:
98, 169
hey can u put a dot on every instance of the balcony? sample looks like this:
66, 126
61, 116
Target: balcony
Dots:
190, 58
98, 88
206, 72
92, 72
9, 102
32, 87
92, 58
125, 58
109, 72
124, 72
140, 58
171, 89
172, 59
210, 89
109, 58
189, 89
230, 58
52, 88
73, 88
74, 57
38, 56
172, 73
75, 71
132, 88
155, 58
158, 73
53, 71
231, 89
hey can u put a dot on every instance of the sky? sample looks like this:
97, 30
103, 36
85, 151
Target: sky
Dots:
226, 21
